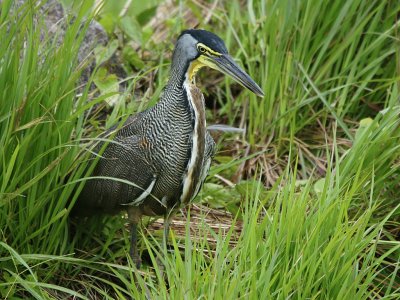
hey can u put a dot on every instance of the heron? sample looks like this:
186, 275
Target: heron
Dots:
159, 158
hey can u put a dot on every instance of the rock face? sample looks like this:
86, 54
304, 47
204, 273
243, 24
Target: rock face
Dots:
55, 18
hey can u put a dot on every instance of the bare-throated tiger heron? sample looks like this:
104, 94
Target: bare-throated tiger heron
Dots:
160, 157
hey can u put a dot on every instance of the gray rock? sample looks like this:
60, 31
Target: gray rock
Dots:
55, 20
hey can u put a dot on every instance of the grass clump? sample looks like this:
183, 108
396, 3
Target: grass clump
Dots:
316, 214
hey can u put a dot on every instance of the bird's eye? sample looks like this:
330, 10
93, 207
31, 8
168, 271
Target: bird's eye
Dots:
202, 49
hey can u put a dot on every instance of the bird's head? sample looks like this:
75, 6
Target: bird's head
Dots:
199, 48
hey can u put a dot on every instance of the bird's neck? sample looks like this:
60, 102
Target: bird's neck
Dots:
177, 73
182, 83
184, 72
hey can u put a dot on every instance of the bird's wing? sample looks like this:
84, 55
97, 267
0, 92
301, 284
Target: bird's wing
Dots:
123, 174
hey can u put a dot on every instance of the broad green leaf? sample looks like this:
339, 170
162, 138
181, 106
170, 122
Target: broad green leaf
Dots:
104, 53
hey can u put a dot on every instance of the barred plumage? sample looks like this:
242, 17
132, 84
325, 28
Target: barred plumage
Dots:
159, 158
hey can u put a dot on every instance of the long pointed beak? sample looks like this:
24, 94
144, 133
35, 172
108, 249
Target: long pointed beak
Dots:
228, 66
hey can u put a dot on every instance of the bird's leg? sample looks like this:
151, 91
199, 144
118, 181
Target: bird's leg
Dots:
167, 222
134, 218
133, 251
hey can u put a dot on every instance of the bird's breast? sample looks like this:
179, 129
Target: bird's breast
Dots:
191, 178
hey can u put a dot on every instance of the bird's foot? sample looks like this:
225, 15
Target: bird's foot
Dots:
137, 261
161, 266
135, 257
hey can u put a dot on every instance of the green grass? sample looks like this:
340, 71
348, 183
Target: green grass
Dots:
317, 203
